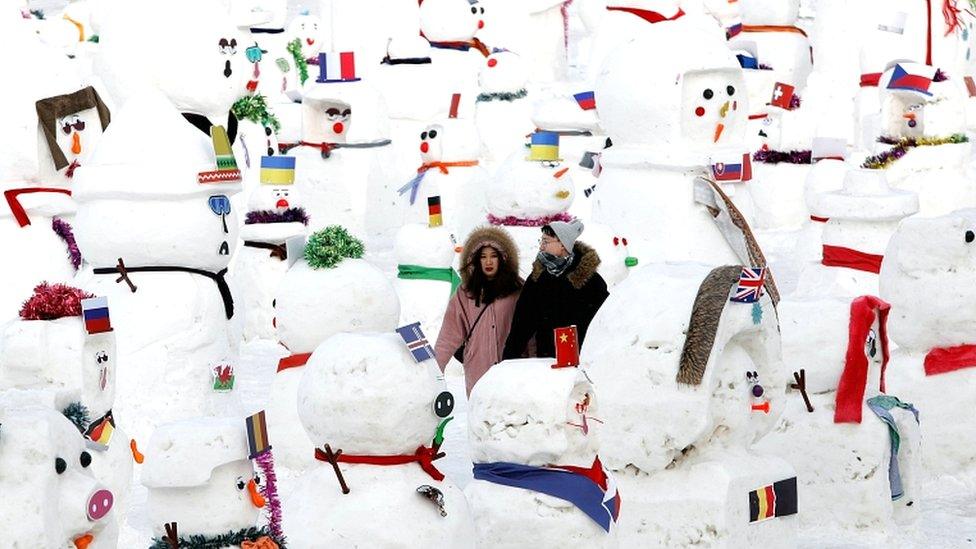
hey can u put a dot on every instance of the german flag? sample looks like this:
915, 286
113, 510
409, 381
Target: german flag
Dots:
775, 500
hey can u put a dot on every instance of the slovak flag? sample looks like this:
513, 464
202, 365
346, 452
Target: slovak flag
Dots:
912, 77
782, 95
740, 171
750, 286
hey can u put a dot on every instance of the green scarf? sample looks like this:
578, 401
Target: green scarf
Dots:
416, 272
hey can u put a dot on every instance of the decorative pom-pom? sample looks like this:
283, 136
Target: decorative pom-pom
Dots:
52, 301
78, 414
328, 247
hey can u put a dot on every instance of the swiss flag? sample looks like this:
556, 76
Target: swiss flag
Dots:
782, 95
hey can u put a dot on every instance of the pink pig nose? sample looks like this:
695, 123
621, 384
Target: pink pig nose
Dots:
99, 504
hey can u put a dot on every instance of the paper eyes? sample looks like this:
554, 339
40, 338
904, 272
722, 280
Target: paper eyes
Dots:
444, 404
73, 121
335, 114
227, 47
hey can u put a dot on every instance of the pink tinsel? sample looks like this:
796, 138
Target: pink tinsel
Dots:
265, 462
512, 221
52, 301
63, 229
564, 11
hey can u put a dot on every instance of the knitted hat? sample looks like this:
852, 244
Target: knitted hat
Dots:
567, 232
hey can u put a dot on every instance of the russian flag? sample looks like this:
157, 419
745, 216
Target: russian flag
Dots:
586, 100
95, 312
337, 67
277, 170
913, 77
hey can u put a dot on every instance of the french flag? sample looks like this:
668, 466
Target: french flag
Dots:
337, 67
912, 77
586, 100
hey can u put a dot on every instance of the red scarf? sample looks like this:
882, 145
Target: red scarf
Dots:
463, 45
15, 206
838, 256
443, 166
293, 361
853, 381
648, 15
949, 359
423, 456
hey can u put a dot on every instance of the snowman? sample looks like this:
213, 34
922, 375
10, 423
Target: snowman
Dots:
294, 57
51, 497
426, 278
931, 366
372, 411
693, 361
158, 244
528, 193
923, 118
861, 217
328, 291
69, 128
451, 27
274, 216
535, 439
450, 168
202, 486
692, 125
503, 110
853, 442
825, 175
51, 347
616, 262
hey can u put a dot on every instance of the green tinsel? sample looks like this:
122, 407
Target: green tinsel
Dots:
328, 247
93, 39
295, 49
78, 414
502, 96
38, 14
901, 146
230, 539
255, 108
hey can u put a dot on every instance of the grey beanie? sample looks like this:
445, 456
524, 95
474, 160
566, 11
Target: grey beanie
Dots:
567, 232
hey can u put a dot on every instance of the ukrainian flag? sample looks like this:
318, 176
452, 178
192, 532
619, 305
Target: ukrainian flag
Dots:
277, 170
544, 146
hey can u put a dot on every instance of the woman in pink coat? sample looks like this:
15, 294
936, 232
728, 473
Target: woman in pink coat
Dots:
483, 305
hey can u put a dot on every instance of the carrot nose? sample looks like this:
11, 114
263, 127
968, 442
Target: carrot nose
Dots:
76, 143
136, 454
909, 116
718, 132
560, 173
84, 541
256, 498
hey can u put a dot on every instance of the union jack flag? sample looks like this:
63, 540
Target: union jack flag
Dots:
750, 285
416, 342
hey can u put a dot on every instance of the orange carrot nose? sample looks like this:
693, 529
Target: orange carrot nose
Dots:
458, 249
256, 498
560, 173
718, 132
136, 454
76, 143
84, 541
909, 116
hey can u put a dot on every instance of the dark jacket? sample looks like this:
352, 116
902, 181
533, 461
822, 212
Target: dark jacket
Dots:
548, 302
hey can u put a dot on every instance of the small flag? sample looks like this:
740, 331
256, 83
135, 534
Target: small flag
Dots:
912, 77
739, 171
434, 211
337, 67
970, 85
828, 147
257, 435
782, 95
774, 500
750, 285
277, 170
544, 146
416, 342
223, 378
95, 312
567, 347
586, 100
99, 433
455, 104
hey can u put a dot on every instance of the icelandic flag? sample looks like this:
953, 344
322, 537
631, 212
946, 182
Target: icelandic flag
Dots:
592, 490
337, 67
416, 342
586, 100
95, 312
277, 170
913, 77
750, 285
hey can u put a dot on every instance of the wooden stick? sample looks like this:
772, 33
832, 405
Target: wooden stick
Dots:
801, 385
333, 458
125, 276
171, 537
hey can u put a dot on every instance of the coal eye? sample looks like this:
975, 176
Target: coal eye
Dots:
624, 240
241, 484
257, 479
84, 459
730, 90
616, 241
707, 94
970, 236
423, 135
474, 10
60, 466
482, 11
432, 134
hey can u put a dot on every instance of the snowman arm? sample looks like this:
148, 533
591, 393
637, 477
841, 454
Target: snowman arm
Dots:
452, 332
524, 321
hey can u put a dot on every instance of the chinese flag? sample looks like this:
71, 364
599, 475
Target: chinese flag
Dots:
782, 95
567, 347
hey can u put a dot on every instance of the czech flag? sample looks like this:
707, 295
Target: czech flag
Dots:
912, 77
277, 170
586, 100
95, 312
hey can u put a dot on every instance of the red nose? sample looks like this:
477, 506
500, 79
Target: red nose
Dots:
281, 203
481, 24
310, 41
492, 62
424, 147
338, 127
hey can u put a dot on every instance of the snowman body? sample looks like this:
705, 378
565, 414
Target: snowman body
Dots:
503, 110
703, 438
824, 176
376, 375
558, 423
420, 248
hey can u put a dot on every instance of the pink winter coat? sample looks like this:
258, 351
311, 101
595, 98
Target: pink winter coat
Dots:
485, 346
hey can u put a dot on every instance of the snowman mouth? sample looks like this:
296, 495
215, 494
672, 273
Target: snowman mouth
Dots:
103, 379
309, 41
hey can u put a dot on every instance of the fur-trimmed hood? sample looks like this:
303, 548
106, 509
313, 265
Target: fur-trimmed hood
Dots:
495, 237
584, 265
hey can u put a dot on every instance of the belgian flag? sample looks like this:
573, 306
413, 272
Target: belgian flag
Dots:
775, 500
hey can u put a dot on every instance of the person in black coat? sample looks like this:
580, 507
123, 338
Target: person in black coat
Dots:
564, 289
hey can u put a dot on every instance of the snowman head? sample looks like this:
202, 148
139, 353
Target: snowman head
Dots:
306, 29
432, 143
325, 120
451, 20
919, 101
274, 197
713, 103
503, 71
70, 127
530, 188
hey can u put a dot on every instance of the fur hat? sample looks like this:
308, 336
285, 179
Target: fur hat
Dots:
497, 238
51, 109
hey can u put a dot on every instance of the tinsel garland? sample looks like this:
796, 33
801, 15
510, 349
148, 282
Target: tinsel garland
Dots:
77, 413
780, 157
940, 76
291, 215
512, 221
301, 65
93, 39
765, 67
795, 102
502, 96
903, 145
265, 461
230, 539
328, 247
53, 301
255, 108
63, 229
